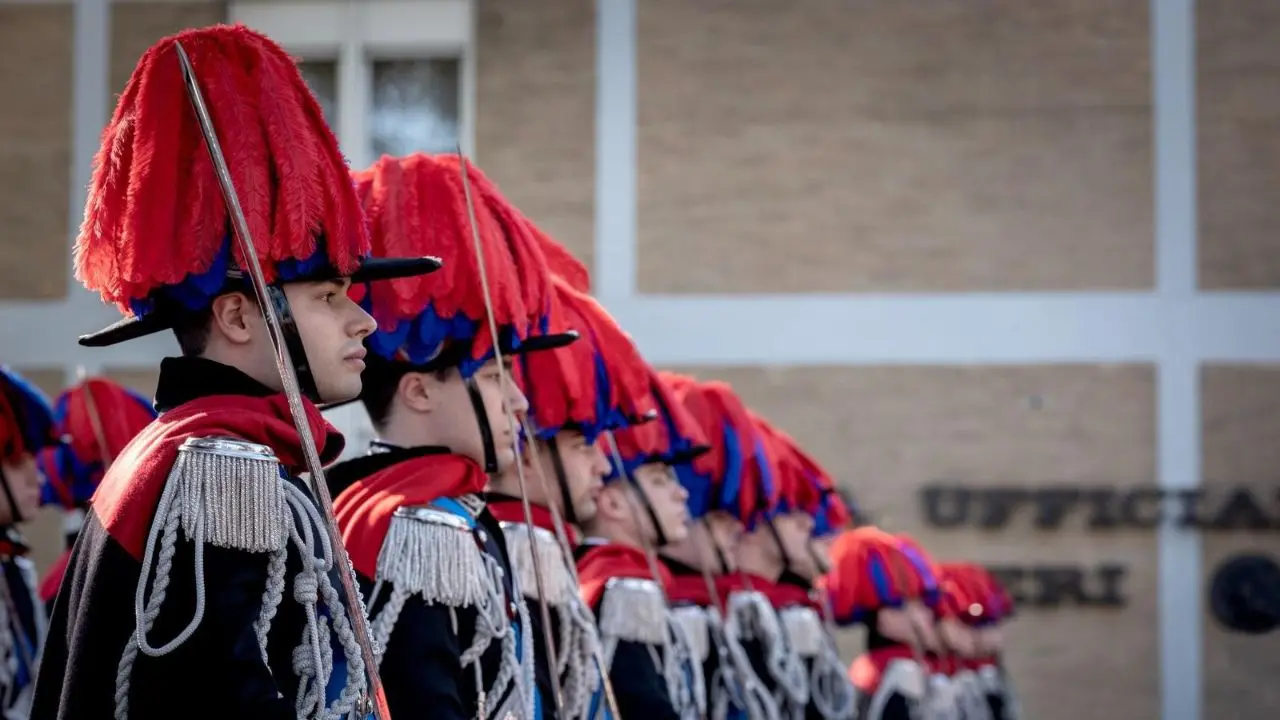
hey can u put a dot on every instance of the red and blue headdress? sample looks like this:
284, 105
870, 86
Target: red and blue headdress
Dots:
673, 438
26, 420
872, 570
804, 484
737, 473
95, 420
156, 238
987, 601
596, 384
419, 204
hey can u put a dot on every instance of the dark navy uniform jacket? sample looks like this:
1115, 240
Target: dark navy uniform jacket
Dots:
420, 669
219, 671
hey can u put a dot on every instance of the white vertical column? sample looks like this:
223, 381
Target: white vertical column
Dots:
468, 86
1178, 387
355, 91
90, 108
615, 227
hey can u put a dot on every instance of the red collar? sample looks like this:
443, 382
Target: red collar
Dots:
604, 562
511, 510
364, 508
125, 502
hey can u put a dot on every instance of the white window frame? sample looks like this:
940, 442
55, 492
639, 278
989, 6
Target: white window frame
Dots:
355, 34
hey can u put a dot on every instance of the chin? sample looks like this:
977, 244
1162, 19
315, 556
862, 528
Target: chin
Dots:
341, 392
678, 535
585, 512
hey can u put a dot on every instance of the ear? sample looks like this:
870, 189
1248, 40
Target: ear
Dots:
612, 503
419, 392
234, 316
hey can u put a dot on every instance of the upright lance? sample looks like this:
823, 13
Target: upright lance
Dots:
503, 378
289, 381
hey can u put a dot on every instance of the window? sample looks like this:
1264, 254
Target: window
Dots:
415, 106
392, 76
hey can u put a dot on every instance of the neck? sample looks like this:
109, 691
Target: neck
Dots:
615, 533
405, 434
755, 563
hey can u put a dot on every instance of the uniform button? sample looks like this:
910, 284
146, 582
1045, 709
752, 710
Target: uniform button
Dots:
484, 537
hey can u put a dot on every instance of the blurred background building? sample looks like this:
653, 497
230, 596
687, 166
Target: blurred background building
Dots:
978, 255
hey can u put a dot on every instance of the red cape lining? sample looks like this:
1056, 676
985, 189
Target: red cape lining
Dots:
125, 502
365, 508
603, 562
512, 511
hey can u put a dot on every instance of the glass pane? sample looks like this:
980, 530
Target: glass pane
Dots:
415, 106
322, 78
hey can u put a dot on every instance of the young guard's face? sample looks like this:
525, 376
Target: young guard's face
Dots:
454, 418
667, 497
333, 328
585, 468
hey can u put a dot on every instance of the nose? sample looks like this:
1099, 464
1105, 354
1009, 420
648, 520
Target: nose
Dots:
363, 324
517, 403
682, 493
600, 460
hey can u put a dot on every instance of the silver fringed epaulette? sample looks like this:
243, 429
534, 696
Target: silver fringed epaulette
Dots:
234, 494
635, 610
523, 541
804, 629
902, 677
697, 629
230, 494
432, 552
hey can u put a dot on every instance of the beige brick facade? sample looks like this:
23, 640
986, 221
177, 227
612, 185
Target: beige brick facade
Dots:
35, 150
535, 111
894, 146
1238, 114
1241, 421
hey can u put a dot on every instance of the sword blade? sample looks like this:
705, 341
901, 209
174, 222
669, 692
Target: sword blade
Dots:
289, 380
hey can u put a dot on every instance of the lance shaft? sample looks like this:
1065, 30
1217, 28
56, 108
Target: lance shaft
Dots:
289, 382
503, 379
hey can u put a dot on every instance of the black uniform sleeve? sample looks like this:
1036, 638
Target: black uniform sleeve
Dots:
225, 668
420, 670
640, 689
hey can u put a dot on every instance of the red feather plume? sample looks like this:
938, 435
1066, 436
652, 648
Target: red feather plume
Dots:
564, 264
418, 204
717, 409
562, 384
99, 418
155, 213
870, 571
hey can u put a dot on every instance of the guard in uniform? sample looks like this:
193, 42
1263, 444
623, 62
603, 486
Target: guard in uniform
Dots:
443, 599
576, 394
26, 429
640, 511
959, 608
807, 496
203, 584
94, 421
874, 582
990, 607
703, 567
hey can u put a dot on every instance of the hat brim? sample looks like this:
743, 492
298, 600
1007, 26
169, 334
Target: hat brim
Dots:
454, 355
165, 318
538, 343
